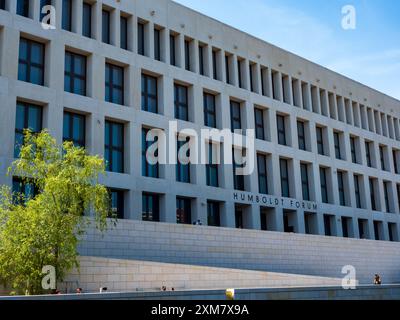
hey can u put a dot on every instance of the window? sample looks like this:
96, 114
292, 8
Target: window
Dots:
238, 179
336, 140
117, 203
259, 122
324, 185
172, 49
209, 110
43, 3
280, 122
74, 128
149, 93
285, 189
183, 210
235, 116
382, 157
211, 168
23, 188
357, 190
201, 60
2, 4
114, 146
141, 38
114, 84
157, 44
328, 224
301, 135
28, 116
214, 65
262, 174
372, 194
345, 226
23, 8
342, 198
386, 190
148, 169
181, 102
182, 170
124, 33
304, 182
239, 66
251, 78
239, 218
227, 73
87, 20
31, 62
320, 141
395, 162
368, 153
150, 207
75, 73
106, 26
213, 215
353, 149
187, 55
66, 20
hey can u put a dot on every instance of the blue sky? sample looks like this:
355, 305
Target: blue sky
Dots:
312, 29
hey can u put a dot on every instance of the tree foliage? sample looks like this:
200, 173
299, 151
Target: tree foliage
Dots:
46, 228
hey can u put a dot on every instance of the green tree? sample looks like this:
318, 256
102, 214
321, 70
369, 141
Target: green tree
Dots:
45, 228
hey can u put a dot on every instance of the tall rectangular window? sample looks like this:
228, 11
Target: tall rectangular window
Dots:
236, 123
182, 170
320, 141
368, 153
301, 135
324, 185
150, 207
201, 60
31, 61
87, 20
239, 70
304, 181
211, 168
74, 128
2, 4
124, 33
172, 49
262, 174
382, 157
251, 78
140, 38
357, 190
353, 149
25, 188
372, 194
280, 123
157, 44
187, 54
395, 162
238, 179
214, 65
259, 123
75, 73
227, 73
213, 214
66, 20
114, 84
117, 203
386, 188
181, 102
149, 93
210, 118
342, 198
23, 8
336, 141
148, 169
183, 210
284, 171
28, 116
105, 26
114, 146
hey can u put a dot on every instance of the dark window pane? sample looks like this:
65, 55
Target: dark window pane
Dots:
23, 8
67, 15
141, 38
106, 26
114, 146
149, 93
87, 20
124, 33
75, 73
31, 62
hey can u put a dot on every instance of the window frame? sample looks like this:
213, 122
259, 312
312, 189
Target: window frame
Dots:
112, 148
72, 75
146, 96
28, 62
111, 85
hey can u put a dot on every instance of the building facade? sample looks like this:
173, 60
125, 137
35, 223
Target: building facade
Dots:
327, 150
